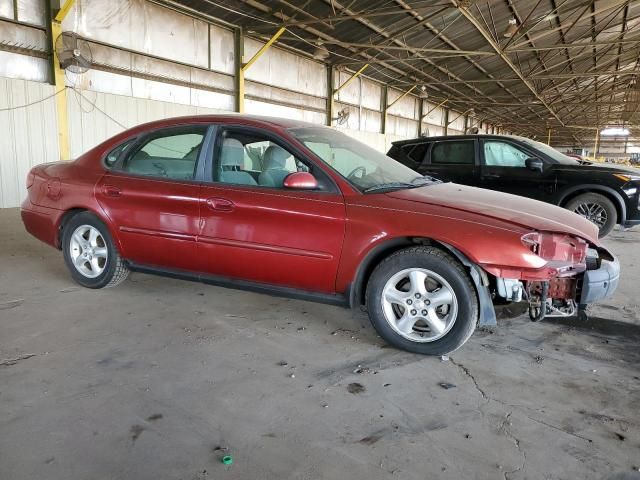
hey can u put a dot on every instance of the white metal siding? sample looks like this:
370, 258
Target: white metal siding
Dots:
89, 125
28, 136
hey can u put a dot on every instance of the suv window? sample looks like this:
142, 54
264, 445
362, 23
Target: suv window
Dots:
168, 154
253, 159
501, 154
416, 152
454, 152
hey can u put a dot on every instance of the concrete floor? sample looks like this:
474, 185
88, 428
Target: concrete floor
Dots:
159, 378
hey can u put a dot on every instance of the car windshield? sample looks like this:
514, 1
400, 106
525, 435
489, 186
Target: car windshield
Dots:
550, 151
366, 168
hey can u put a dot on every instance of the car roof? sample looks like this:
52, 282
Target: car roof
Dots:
255, 120
454, 137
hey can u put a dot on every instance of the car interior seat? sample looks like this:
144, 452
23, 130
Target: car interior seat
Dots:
231, 161
274, 173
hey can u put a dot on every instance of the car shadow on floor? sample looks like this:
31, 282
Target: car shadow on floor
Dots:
603, 326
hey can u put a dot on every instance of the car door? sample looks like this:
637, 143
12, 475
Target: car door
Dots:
503, 168
452, 160
254, 229
152, 197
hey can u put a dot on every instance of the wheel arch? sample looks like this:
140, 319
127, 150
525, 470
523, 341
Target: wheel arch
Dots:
71, 212
608, 192
380, 252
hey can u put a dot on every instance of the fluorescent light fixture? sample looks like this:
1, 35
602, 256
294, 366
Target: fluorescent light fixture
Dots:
615, 132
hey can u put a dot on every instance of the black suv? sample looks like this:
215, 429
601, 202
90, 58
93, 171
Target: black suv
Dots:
607, 195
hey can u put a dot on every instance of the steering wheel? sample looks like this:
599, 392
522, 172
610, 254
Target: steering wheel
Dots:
353, 172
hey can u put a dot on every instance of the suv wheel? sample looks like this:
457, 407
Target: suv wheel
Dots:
90, 253
421, 300
596, 208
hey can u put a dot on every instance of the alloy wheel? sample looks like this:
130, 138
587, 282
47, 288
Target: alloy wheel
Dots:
88, 251
594, 212
419, 304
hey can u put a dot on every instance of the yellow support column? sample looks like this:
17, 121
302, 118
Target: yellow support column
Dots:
59, 83
351, 79
245, 66
549, 136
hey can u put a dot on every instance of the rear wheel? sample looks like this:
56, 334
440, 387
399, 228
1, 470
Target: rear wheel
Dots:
596, 208
90, 253
421, 300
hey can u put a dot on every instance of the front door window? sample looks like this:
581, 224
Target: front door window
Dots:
501, 154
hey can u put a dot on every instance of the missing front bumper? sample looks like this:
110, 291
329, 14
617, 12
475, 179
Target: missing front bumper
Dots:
600, 283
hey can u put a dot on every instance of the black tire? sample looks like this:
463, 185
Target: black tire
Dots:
600, 200
447, 267
115, 269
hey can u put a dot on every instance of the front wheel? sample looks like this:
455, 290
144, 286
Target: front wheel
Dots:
596, 208
421, 300
90, 253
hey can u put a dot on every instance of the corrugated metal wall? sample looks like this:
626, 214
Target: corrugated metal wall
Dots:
96, 116
26, 135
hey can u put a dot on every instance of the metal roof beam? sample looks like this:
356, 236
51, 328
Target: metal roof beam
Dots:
504, 57
574, 45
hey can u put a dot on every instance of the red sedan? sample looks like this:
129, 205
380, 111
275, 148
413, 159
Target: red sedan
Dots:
295, 209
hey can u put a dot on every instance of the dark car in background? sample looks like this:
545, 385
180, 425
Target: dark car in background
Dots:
604, 194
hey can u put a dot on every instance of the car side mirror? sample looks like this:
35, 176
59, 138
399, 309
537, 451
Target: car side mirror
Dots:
534, 164
300, 181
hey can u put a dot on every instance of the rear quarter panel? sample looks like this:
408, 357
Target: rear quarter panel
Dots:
63, 186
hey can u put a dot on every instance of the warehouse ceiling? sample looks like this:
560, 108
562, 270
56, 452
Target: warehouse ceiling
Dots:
530, 65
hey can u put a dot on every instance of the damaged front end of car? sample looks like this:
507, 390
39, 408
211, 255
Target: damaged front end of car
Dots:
573, 274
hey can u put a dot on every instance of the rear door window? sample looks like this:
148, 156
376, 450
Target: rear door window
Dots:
170, 154
459, 152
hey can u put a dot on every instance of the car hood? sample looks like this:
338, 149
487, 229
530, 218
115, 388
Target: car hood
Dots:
502, 206
601, 168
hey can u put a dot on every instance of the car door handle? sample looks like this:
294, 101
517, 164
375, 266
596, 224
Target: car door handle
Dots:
112, 191
490, 175
220, 204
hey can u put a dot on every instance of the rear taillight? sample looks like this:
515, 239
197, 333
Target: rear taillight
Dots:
31, 177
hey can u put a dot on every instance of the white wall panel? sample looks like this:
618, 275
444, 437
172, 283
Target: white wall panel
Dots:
28, 135
371, 121
374, 140
89, 124
371, 94
407, 107
106, 82
402, 127
6, 9
349, 93
432, 130
141, 26
222, 50
32, 11
23, 67
17, 34
256, 107
284, 69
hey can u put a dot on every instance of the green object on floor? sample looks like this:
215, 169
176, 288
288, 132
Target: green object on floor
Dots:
227, 459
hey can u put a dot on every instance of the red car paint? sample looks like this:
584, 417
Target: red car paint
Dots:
308, 240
